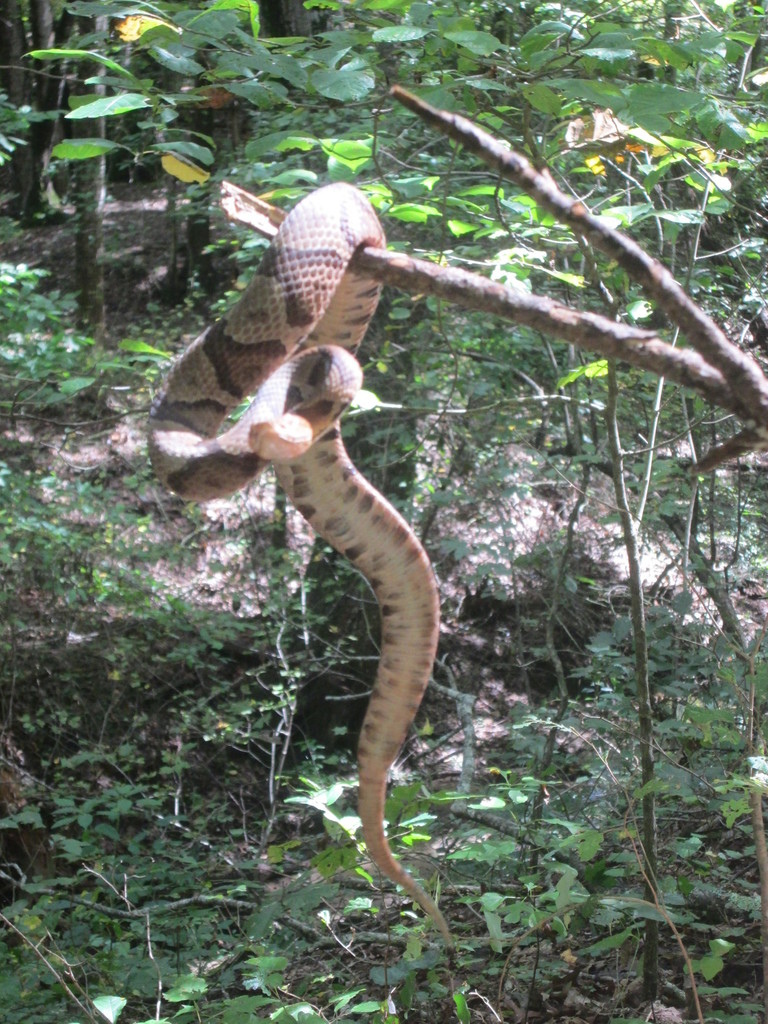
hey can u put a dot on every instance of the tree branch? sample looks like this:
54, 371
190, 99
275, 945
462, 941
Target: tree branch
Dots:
712, 366
589, 331
743, 373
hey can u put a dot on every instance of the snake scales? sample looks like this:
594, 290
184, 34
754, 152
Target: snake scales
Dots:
290, 339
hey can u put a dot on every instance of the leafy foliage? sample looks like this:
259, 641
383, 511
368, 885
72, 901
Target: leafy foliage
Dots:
178, 833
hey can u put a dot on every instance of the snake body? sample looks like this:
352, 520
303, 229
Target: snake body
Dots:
291, 338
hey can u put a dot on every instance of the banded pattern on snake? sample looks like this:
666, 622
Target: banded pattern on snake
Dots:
291, 338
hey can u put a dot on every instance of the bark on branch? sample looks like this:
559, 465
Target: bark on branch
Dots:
712, 365
653, 277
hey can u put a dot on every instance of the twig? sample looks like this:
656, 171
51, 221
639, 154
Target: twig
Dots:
656, 903
56, 974
465, 706
755, 746
158, 973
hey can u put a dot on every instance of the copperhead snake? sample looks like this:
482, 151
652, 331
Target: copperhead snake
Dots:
290, 339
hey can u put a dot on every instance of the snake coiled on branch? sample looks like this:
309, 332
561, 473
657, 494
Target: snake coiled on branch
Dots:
291, 339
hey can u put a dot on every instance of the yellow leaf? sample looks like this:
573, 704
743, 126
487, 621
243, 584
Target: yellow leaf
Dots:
426, 729
568, 956
133, 27
595, 164
706, 155
183, 170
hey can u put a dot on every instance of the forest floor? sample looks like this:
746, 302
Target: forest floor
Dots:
493, 643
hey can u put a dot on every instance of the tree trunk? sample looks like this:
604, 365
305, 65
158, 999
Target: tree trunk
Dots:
15, 82
89, 249
48, 91
287, 18
200, 264
90, 194
40, 91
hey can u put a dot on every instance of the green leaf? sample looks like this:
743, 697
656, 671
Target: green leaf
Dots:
541, 36
542, 98
279, 142
607, 55
200, 154
81, 55
495, 933
681, 216
396, 972
232, 5
344, 85
347, 149
481, 43
399, 34
251, 7
588, 843
413, 213
292, 178
28, 816
366, 400
272, 63
683, 602
721, 946
564, 896
462, 1010
709, 966
187, 988
611, 941
460, 227
591, 90
599, 368
577, 280
265, 972
82, 149
387, 5
639, 310
109, 1006
656, 106
215, 23
346, 998
491, 901
142, 348
721, 126
110, 106
352, 153
178, 62
75, 384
